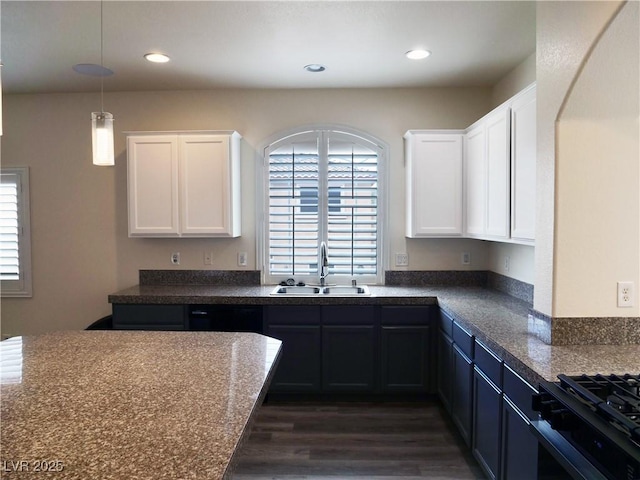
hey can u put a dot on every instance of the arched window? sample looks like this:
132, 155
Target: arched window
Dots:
323, 185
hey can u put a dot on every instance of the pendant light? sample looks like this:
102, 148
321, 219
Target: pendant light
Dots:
102, 122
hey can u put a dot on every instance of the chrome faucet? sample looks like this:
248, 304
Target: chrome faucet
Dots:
324, 263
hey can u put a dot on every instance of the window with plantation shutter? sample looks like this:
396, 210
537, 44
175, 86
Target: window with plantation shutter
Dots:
15, 245
323, 186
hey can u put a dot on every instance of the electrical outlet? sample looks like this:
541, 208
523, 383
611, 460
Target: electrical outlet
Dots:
175, 258
402, 259
465, 258
626, 294
507, 263
242, 259
208, 258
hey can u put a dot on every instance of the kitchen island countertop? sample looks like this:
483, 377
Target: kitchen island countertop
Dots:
497, 319
127, 405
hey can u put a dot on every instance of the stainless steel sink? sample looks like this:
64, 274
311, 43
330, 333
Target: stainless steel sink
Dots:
312, 291
296, 290
347, 290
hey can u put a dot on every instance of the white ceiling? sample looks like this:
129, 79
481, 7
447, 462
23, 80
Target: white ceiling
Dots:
262, 44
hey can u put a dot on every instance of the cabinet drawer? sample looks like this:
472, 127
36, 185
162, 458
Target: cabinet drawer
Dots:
348, 315
463, 339
445, 322
293, 315
405, 315
489, 363
148, 317
519, 392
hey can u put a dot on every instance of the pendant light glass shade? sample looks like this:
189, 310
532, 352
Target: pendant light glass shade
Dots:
102, 138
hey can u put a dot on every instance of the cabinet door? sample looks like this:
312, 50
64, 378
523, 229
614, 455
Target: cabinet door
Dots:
207, 186
519, 446
475, 181
498, 143
434, 184
445, 369
523, 166
461, 405
299, 366
405, 359
487, 412
348, 358
152, 177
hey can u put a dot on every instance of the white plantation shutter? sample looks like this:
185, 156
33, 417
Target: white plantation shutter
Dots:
322, 186
293, 230
15, 251
352, 227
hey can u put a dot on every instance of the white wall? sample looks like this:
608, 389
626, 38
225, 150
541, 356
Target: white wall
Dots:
598, 174
520, 77
81, 251
565, 33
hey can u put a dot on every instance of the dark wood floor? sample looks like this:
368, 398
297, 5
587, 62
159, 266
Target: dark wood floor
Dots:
355, 441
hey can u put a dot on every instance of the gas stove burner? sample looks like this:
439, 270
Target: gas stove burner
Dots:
599, 416
625, 404
617, 393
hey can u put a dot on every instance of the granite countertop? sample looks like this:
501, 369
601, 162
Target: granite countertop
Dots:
497, 319
124, 405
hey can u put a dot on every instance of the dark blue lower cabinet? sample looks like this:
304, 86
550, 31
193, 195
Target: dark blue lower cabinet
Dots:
149, 317
445, 370
348, 358
519, 446
462, 399
405, 358
352, 349
298, 370
487, 414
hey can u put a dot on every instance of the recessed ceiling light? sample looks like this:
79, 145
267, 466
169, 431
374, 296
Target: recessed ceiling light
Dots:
157, 57
315, 68
418, 54
92, 70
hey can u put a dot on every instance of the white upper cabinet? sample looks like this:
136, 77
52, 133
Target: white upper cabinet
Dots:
475, 163
494, 192
523, 166
487, 176
152, 180
498, 144
184, 184
433, 183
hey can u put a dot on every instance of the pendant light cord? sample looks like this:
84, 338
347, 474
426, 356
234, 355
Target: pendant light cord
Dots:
101, 62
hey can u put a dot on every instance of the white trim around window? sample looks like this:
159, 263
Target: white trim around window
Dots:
322, 184
15, 233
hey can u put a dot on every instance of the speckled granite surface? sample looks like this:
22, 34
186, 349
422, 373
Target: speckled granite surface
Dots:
467, 278
584, 330
502, 323
124, 405
499, 320
199, 277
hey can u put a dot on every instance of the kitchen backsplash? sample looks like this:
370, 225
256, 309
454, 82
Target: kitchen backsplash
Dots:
492, 280
199, 277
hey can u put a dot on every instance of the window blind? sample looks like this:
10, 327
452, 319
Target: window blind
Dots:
9, 228
323, 188
15, 240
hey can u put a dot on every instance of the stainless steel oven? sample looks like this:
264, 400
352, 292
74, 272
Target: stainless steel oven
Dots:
590, 425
